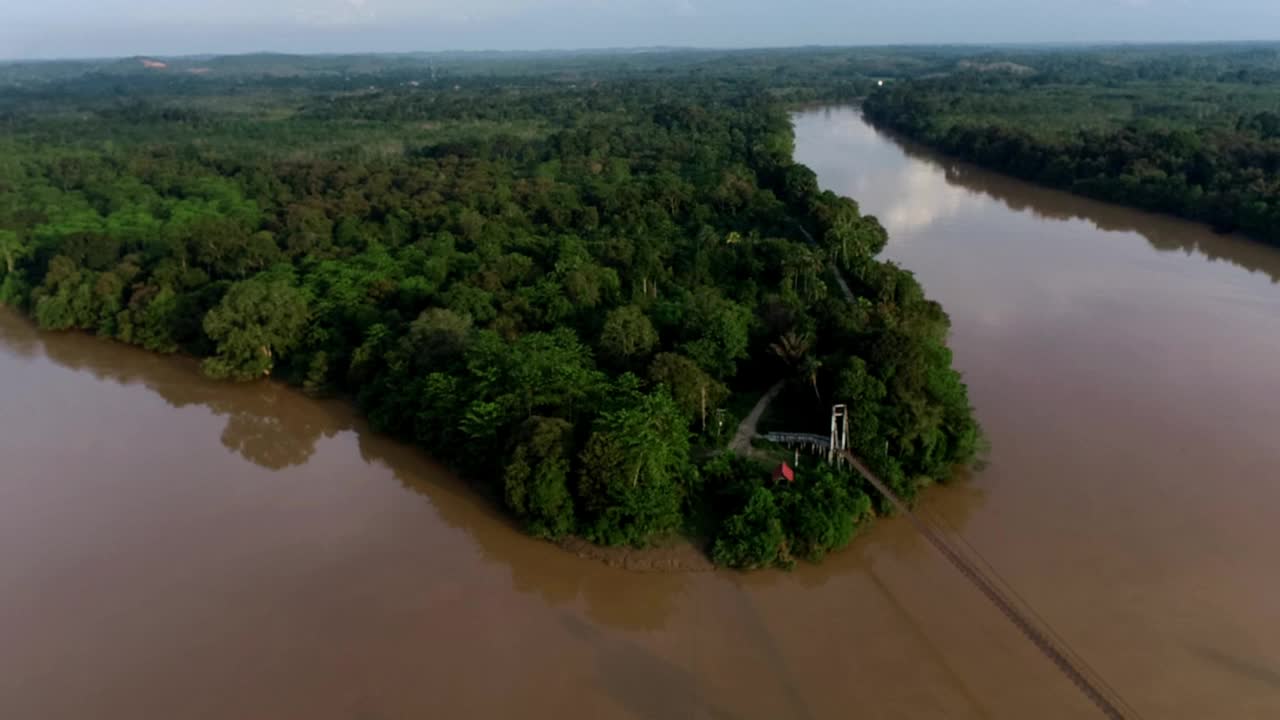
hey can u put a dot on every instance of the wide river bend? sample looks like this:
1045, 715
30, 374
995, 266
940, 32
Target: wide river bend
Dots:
171, 547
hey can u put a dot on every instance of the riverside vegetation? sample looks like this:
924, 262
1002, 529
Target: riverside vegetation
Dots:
555, 274
1192, 131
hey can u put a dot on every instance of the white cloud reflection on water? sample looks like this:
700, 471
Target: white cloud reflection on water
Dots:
907, 197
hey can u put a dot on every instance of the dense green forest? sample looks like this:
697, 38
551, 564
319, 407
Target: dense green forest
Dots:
1192, 131
562, 276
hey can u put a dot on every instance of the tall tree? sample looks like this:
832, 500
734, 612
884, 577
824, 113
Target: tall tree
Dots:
13, 250
536, 478
628, 334
257, 321
635, 470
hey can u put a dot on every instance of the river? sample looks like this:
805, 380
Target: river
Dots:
175, 547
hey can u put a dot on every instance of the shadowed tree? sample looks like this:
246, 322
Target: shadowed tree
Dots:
12, 250
795, 349
696, 392
536, 485
628, 334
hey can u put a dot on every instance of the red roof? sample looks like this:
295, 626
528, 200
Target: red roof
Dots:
784, 471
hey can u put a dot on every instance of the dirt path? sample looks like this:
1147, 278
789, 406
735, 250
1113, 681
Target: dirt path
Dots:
741, 443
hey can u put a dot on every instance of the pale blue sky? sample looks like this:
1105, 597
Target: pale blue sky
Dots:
97, 28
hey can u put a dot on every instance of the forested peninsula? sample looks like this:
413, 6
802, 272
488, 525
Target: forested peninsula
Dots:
1192, 131
566, 278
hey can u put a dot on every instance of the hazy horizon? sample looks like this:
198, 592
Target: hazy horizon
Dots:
1048, 44
62, 29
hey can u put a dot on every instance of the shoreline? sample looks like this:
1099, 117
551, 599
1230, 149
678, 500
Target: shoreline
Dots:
905, 137
675, 555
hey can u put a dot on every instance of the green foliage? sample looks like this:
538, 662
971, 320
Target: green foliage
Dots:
753, 537
762, 523
695, 392
537, 478
151, 319
437, 339
719, 330
544, 272
1190, 132
67, 298
635, 471
628, 334
257, 321
317, 377
12, 251
13, 290
822, 512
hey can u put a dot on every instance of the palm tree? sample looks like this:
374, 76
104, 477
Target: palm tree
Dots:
792, 346
795, 350
802, 271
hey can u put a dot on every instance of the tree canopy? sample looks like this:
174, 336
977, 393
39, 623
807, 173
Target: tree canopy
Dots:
552, 275
1191, 131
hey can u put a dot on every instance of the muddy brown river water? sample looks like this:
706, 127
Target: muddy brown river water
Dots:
171, 547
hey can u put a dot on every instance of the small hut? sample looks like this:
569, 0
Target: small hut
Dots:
784, 472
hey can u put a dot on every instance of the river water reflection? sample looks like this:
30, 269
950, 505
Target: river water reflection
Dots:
1123, 365
175, 547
